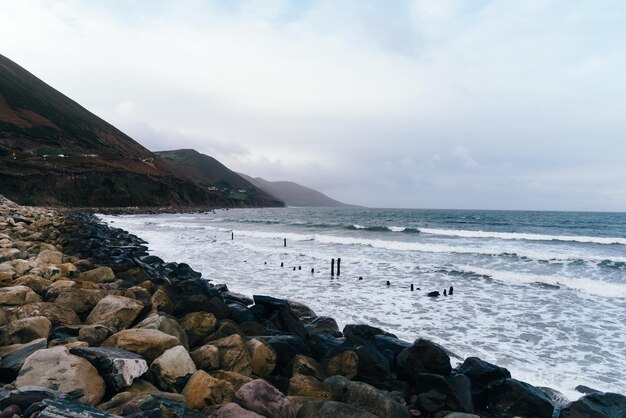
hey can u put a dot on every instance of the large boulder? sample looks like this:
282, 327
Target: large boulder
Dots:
118, 367
12, 357
148, 343
57, 369
423, 356
510, 398
26, 396
234, 355
286, 348
172, 369
331, 409
306, 366
166, 324
204, 390
25, 330
63, 408
264, 399
98, 275
80, 301
263, 357
301, 385
58, 315
17, 296
596, 405
206, 357
8, 254
317, 324
49, 257
37, 283
115, 312
362, 395
481, 374
346, 364
229, 410
235, 379
198, 326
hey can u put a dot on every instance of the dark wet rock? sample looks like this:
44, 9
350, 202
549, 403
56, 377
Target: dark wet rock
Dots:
194, 296
286, 348
170, 407
557, 398
365, 396
28, 395
510, 397
270, 303
462, 388
436, 393
118, 367
423, 356
12, 362
596, 405
237, 298
286, 320
433, 294
317, 324
481, 374
364, 332
240, 313
326, 346
373, 366
390, 347
264, 399
331, 409
62, 408
586, 389
300, 310
225, 328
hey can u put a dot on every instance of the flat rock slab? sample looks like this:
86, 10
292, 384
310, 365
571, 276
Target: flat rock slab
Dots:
264, 399
331, 409
14, 360
118, 367
27, 395
60, 408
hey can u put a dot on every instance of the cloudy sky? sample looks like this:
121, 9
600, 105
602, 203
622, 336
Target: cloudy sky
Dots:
417, 103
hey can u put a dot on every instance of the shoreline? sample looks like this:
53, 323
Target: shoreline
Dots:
189, 346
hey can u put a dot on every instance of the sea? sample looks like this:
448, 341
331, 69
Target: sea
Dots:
540, 293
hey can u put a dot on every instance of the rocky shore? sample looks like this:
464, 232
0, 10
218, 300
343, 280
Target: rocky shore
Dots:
92, 325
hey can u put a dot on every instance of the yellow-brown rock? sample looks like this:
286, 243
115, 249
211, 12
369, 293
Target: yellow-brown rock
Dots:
115, 312
300, 385
234, 355
263, 357
198, 325
148, 343
343, 364
235, 379
98, 275
17, 296
206, 357
204, 390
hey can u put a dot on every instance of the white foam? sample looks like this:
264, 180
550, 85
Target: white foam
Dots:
523, 236
594, 287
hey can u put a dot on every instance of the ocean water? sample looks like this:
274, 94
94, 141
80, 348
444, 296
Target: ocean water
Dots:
541, 293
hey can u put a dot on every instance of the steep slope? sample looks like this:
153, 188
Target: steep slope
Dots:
210, 173
294, 194
55, 152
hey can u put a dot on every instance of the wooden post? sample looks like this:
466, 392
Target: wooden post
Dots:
281, 264
338, 267
332, 267
285, 242
411, 287
232, 235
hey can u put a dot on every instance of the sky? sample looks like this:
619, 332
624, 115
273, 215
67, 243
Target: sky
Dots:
472, 104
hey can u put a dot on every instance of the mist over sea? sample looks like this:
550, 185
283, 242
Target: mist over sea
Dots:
541, 293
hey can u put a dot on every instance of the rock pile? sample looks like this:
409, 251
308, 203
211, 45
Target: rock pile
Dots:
91, 325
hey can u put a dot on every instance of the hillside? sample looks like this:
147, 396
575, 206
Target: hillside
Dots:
294, 194
53, 151
212, 174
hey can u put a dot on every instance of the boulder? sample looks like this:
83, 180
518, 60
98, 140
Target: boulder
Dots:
423, 356
68, 270
3, 318
98, 275
344, 364
373, 366
165, 323
118, 367
229, 410
115, 312
234, 355
9, 254
301, 385
331, 409
57, 369
160, 302
49, 257
36, 283
148, 343
286, 348
17, 296
12, 358
26, 396
315, 325
364, 332
264, 399
225, 328
596, 405
25, 330
390, 347
510, 398
57, 408
80, 301
306, 366
58, 315
198, 325
263, 357
300, 310
172, 369
235, 379
240, 313
362, 395
204, 390
481, 374
206, 357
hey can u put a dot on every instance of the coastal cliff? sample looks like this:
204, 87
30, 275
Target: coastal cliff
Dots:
92, 325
